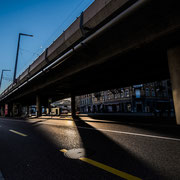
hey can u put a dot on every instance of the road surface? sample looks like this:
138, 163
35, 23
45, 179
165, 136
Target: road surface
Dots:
101, 149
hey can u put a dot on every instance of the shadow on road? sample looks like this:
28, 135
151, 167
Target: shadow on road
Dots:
105, 150
38, 155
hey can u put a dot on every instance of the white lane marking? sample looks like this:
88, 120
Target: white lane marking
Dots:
32, 121
13, 120
134, 134
1, 176
106, 130
40, 121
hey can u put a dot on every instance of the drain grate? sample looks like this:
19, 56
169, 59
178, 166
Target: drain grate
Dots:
75, 153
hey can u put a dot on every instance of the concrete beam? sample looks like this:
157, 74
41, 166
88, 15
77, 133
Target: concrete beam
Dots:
112, 42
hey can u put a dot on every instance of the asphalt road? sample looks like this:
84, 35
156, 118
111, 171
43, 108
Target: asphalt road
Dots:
38, 149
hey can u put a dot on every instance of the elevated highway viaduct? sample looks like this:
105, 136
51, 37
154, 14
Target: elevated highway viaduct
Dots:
112, 44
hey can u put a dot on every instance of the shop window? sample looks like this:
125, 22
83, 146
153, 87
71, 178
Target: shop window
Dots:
129, 107
110, 109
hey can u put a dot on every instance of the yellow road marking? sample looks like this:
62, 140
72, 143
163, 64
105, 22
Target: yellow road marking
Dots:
63, 150
110, 169
107, 168
21, 134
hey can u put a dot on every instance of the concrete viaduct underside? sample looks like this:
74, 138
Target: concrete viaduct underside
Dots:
136, 45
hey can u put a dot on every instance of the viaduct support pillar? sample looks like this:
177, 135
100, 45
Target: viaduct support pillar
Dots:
20, 110
73, 108
10, 109
2, 110
14, 110
49, 106
174, 68
27, 110
38, 106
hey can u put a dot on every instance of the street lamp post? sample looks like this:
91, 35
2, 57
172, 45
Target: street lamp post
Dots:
2, 75
17, 54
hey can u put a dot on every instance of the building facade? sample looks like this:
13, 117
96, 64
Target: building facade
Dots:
150, 97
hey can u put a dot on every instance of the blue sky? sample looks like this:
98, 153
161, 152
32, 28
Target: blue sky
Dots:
45, 19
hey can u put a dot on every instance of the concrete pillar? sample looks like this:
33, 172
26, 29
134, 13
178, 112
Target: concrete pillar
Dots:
49, 106
2, 110
14, 110
174, 68
10, 110
19, 109
27, 111
73, 108
38, 106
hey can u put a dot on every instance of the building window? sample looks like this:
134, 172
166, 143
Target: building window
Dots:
147, 91
165, 94
153, 92
122, 93
138, 93
116, 95
127, 93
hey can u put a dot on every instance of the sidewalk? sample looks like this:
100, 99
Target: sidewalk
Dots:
118, 114
146, 119
132, 118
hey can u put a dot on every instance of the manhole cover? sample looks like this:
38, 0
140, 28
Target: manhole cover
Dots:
75, 153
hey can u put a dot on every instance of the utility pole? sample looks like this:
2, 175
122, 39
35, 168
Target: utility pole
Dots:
17, 54
2, 75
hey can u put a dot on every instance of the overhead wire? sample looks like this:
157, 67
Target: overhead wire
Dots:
70, 17
46, 43
65, 20
51, 39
